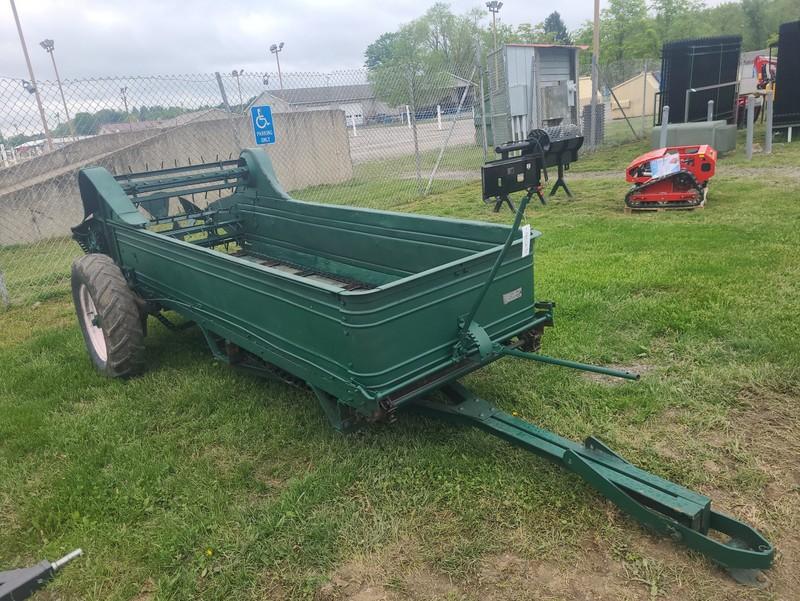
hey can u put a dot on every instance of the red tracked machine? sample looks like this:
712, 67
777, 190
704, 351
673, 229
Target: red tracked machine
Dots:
673, 177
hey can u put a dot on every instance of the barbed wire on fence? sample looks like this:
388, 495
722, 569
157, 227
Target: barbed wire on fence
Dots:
378, 139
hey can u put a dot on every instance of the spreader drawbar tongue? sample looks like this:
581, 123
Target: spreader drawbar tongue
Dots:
668, 508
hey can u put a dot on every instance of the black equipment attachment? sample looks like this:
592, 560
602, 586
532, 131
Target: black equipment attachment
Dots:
543, 148
19, 584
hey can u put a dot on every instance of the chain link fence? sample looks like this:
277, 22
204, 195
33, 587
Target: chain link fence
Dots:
378, 138
627, 97
370, 139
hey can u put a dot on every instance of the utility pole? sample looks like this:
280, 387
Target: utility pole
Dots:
50, 47
494, 7
595, 74
47, 133
275, 49
124, 91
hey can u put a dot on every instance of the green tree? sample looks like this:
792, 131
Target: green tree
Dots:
676, 19
380, 51
555, 30
412, 71
61, 130
724, 19
414, 64
85, 124
755, 21
626, 32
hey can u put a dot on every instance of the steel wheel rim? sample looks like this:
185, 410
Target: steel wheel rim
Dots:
89, 315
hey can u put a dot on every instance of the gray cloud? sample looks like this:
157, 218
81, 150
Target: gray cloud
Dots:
109, 37
106, 37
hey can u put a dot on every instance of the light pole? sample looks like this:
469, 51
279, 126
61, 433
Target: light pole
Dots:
124, 91
275, 49
33, 88
49, 47
236, 74
494, 7
593, 131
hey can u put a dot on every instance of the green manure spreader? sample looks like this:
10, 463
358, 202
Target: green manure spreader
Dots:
372, 311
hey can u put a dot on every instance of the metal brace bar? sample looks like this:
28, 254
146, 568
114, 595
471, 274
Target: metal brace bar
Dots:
664, 506
498, 262
567, 363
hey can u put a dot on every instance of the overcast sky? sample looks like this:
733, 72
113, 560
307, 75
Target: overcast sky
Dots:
137, 37
142, 37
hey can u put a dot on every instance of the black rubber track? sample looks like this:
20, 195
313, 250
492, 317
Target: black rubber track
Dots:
677, 205
118, 312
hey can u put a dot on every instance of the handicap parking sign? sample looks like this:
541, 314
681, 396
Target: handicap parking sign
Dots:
263, 128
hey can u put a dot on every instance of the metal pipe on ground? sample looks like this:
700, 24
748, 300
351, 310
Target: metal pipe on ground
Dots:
748, 147
768, 135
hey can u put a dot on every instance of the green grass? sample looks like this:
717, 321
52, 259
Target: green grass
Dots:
38, 271
197, 482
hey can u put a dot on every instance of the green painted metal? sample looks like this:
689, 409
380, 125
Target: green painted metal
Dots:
371, 310
666, 507
383, 317
467, 324
598, 369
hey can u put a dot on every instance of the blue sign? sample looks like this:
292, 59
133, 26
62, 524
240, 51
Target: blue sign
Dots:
263, 128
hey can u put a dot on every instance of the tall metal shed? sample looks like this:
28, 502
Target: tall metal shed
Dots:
530, 86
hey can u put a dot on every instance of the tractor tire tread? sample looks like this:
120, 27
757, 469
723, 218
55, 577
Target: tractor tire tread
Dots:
119, 314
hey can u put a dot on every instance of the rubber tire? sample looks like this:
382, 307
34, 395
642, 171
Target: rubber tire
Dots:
119, 316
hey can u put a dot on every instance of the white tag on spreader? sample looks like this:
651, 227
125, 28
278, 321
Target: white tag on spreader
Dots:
526, 239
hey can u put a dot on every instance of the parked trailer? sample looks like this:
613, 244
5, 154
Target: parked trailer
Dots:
373, 311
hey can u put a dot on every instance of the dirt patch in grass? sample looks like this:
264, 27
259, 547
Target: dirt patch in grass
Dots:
749, 461
627, 563
458, 175
147, 591
594, 570
760, 173
637, 368
393, 574
507, 577
764, 427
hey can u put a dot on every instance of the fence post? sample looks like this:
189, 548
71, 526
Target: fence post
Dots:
662, 140
710, 111
449, 134
412, 122
748, 147
479, 54
408, 117
768, 139
644, 96
602, 80
439, 115
4, 298
355, 132
228, 110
